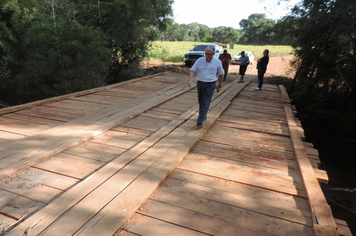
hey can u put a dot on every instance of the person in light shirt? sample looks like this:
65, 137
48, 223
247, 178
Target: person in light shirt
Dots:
244, 61
209, 70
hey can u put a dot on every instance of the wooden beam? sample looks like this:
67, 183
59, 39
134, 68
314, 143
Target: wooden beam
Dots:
324, 221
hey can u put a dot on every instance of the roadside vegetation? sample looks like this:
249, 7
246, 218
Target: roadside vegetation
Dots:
167, 51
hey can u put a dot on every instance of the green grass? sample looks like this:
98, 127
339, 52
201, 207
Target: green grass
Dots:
167, 51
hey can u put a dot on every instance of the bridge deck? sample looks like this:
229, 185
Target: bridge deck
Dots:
127, 159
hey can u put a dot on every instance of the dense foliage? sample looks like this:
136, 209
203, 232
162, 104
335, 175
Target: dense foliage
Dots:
257, 29
198, 33
325, 82
54, 47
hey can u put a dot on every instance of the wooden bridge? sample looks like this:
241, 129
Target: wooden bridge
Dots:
127, 159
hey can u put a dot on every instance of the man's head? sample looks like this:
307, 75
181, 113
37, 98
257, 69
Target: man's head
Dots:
225, 51
266, 52
242, 53
209, 53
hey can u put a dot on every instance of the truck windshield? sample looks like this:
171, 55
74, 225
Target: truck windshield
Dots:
200, 47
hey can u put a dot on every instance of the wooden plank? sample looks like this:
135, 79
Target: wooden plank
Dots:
260, 202
15, 206
244, 219
99, 155
343, 228
157, 227
33, 119
42, 112
31, 190
4, 142
145, 123
252, 102
261, 196
285, 95
66, 110
160, 115
322, 215
190, 220
59, 98
5, 223
124, 233
245, 155
97, 147
320, 230
259, 109
118, 139
11, 136
47, 178
21, 127
257, 116
280, 183
82, 107
141, 132
100, 100
156, 109
234, 137
69, 165
254, 125
321, 175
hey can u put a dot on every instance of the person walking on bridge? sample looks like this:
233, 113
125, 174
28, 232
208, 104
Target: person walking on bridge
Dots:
209, 69
225, 59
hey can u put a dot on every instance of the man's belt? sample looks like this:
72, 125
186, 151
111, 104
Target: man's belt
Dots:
205, 82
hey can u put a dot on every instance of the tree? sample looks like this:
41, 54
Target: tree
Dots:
326, 46
225, 35
52, 47
48, 54
129, 26
257, 29
284, 31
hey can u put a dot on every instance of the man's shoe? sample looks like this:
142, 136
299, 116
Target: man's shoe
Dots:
199, 126
257, 88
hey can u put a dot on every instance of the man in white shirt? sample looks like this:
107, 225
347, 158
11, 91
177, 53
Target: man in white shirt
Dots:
209, 69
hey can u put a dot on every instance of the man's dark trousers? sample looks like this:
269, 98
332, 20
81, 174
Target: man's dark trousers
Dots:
260, 74
205, 94
226, 69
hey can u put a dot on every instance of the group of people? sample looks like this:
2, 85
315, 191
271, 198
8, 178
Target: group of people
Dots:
209, 70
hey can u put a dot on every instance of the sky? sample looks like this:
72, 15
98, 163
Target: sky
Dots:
229, 13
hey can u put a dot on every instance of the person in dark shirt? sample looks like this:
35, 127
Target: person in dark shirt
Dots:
261, 68
225, 59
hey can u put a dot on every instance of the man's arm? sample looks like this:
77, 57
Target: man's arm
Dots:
190, 81
218, 88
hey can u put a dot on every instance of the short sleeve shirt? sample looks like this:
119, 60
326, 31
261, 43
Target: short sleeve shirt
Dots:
244, 60
208, 71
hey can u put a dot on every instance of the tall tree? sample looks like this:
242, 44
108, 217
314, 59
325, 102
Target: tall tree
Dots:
224, 34
47, 53
52, 47
326, 46
257, 29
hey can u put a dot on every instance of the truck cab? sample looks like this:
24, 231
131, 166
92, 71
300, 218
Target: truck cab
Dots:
199, 51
